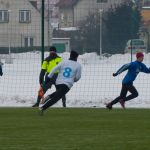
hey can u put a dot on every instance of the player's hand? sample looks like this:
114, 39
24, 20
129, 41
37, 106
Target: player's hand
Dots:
1, 74
114, 74
41, 92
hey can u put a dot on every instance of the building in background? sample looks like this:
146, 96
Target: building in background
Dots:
72, 12
20, 24
51, 11
145, 29
146, 3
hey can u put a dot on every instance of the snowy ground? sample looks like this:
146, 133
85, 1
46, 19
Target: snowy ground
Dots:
19, 84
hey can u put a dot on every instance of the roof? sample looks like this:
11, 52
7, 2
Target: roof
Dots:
34, 3
66, 3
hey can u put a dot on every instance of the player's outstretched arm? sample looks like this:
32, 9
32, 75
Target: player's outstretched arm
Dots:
145, 69
122, 69
57, 68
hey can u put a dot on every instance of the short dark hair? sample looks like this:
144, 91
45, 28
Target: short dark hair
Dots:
52, 48
74, 54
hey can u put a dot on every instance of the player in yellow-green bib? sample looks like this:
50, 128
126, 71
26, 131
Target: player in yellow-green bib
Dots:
45, 83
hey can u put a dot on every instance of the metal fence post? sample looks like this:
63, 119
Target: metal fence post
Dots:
42, 31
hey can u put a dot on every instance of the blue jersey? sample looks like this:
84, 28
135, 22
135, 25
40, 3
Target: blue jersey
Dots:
133, 70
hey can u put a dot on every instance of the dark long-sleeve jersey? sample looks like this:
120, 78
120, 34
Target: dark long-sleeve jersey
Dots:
133, 70
1, 72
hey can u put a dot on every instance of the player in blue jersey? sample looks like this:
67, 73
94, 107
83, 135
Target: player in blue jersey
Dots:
127, 84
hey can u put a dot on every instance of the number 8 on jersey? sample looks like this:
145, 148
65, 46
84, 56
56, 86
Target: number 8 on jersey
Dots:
67, 72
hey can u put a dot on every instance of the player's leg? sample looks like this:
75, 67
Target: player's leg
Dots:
45, 87
133, 91
123, 93
48, 97
61, 90
64, 101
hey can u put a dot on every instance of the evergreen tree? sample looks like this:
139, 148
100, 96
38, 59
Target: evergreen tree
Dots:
119, 25
122, 24
90, 33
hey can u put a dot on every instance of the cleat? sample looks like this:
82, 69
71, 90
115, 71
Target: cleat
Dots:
36, 105
122, 103
40, 111
108, 106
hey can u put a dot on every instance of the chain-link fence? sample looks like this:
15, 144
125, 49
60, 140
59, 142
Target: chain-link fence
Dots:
99, 30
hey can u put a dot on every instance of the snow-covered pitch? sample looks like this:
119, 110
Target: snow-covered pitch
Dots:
19, 84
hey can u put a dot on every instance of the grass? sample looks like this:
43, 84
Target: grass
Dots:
74, 129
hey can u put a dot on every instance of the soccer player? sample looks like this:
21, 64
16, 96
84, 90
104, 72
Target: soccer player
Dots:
127, 84
69, 72
45, 83
1, 71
